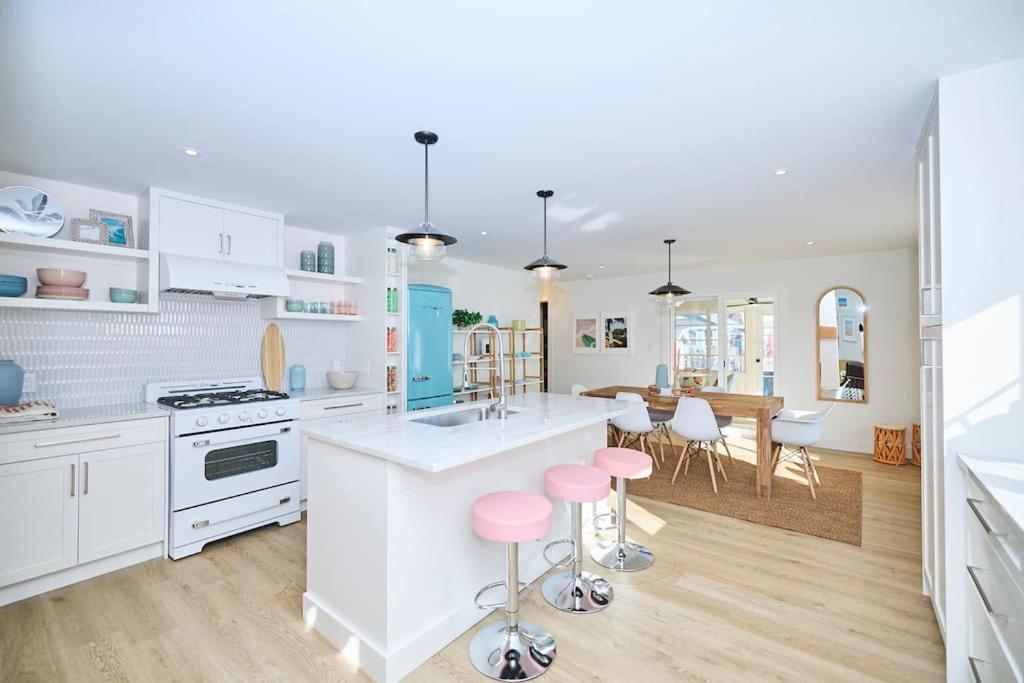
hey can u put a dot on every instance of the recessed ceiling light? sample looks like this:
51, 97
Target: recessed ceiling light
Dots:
190, 151
600, 267
781, 171
811, 243
483, 232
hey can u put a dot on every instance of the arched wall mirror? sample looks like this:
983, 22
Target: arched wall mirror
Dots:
842, 346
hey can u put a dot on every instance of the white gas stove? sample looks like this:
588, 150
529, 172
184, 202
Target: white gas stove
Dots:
234, 459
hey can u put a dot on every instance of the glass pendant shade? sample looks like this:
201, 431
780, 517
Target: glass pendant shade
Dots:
545, 269
427, 242
670, 294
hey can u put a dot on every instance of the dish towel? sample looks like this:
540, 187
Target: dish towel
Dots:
27, 412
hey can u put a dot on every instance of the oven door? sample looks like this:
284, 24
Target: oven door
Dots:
219, 465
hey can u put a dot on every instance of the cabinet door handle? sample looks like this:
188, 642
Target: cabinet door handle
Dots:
72, 480
974, 668
81, 439
85, 484
220, 249
347, 405
973, 504
981, 591
229, 245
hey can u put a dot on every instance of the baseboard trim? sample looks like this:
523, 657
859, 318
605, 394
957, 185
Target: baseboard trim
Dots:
66, 577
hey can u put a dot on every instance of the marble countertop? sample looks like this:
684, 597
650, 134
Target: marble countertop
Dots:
434, 449
1004, 481
315, 394
78, 417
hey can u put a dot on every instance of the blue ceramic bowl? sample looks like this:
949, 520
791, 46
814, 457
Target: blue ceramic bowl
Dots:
13, 285
120, 295
294, 305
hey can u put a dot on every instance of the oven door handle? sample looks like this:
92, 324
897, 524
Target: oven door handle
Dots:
234, 437
202, 523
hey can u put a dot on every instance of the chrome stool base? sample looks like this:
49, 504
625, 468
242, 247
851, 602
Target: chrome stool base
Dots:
584, 593
519, 654
621, 556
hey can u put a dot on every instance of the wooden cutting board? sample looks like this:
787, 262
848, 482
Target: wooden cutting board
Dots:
272, 358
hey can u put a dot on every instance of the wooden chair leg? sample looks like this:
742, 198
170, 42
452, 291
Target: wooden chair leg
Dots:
686, 453
718, 461
727, 451
668, 435
711, 467
807, 473
622, 437
814, 471
661, 446
682, 457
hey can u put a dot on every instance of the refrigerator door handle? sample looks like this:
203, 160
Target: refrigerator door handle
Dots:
421, 378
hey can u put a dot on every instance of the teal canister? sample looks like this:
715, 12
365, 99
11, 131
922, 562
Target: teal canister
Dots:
307, 261
11, 379
325, 257
297, 377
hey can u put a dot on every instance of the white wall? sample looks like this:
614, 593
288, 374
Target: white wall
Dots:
888, 280
503, 292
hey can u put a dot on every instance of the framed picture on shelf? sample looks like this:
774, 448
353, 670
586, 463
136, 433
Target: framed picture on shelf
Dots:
616, 334
585, 334
119, 227
93, 232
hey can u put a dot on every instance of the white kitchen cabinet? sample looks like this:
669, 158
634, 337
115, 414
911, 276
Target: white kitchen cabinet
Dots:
121, 505
206, 228
335, 410
39, 509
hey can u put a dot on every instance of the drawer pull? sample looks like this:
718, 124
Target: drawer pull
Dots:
973, 504
205, 522
974, 661
72, 480
981, 592
347, 405
81, 439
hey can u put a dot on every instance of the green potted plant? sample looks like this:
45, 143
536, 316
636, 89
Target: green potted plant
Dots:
463, 318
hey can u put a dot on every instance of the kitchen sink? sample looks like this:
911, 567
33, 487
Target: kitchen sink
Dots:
461, 417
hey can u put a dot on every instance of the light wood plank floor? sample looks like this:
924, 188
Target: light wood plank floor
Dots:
725, 601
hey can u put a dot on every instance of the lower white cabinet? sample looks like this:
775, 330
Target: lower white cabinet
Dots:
332, 411
121, 505
39, 509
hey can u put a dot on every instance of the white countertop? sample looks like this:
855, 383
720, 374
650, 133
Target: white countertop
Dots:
1004, 481
78, 417
434, 449
315, 394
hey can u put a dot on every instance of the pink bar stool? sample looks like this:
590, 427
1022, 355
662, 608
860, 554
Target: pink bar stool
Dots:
512, 649
576, 591
623, 464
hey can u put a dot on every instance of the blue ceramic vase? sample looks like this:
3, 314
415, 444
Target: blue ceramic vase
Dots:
11, 379
297, 377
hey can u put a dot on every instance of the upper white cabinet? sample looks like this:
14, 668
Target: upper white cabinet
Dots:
206, 228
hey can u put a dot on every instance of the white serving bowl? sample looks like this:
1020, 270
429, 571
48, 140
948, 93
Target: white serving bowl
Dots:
342, 379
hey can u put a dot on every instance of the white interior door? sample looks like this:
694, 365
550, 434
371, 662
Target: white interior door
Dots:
750, 345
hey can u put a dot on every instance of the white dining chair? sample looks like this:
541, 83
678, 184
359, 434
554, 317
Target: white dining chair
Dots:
636, 423
722, 420
577, 389
695, 422
796, 430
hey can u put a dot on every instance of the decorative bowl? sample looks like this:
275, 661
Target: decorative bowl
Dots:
13, 285
57, 292
342, 379
294, 305
60, 277
120, 295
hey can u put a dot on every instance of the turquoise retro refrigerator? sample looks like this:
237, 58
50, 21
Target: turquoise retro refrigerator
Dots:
429, 347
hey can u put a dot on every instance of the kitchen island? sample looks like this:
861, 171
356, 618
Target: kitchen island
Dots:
392, 561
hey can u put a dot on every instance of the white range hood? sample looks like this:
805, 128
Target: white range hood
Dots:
225, 279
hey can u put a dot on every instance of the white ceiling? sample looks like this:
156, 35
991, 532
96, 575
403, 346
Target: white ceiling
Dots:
649, 119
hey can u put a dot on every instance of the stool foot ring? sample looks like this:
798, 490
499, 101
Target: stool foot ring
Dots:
583, 594
523, 586
518, 655
623, 557
601, 524
565, 563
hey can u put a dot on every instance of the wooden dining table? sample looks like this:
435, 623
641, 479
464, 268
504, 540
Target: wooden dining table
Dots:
761, 408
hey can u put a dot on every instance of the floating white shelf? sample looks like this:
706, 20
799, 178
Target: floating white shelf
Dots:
331, 317
71, 305
325, 278
28, 243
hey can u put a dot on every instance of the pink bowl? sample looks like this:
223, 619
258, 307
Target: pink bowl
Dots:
60, 277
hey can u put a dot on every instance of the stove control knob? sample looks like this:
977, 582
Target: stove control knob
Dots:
280, 412
201, 421
223, 418
261, 413
243, 416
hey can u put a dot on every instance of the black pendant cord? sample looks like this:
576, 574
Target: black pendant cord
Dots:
426, 183
670, 262
545, 227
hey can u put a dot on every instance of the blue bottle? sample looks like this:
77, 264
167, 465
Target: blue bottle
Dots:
297, 377
11, 379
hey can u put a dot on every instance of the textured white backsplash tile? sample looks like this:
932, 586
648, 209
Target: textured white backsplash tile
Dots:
85, 359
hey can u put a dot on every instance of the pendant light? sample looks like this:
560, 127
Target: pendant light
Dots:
545, 268
670, 294
427, 242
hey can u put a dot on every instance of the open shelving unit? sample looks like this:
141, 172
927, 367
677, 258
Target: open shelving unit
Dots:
483, 362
